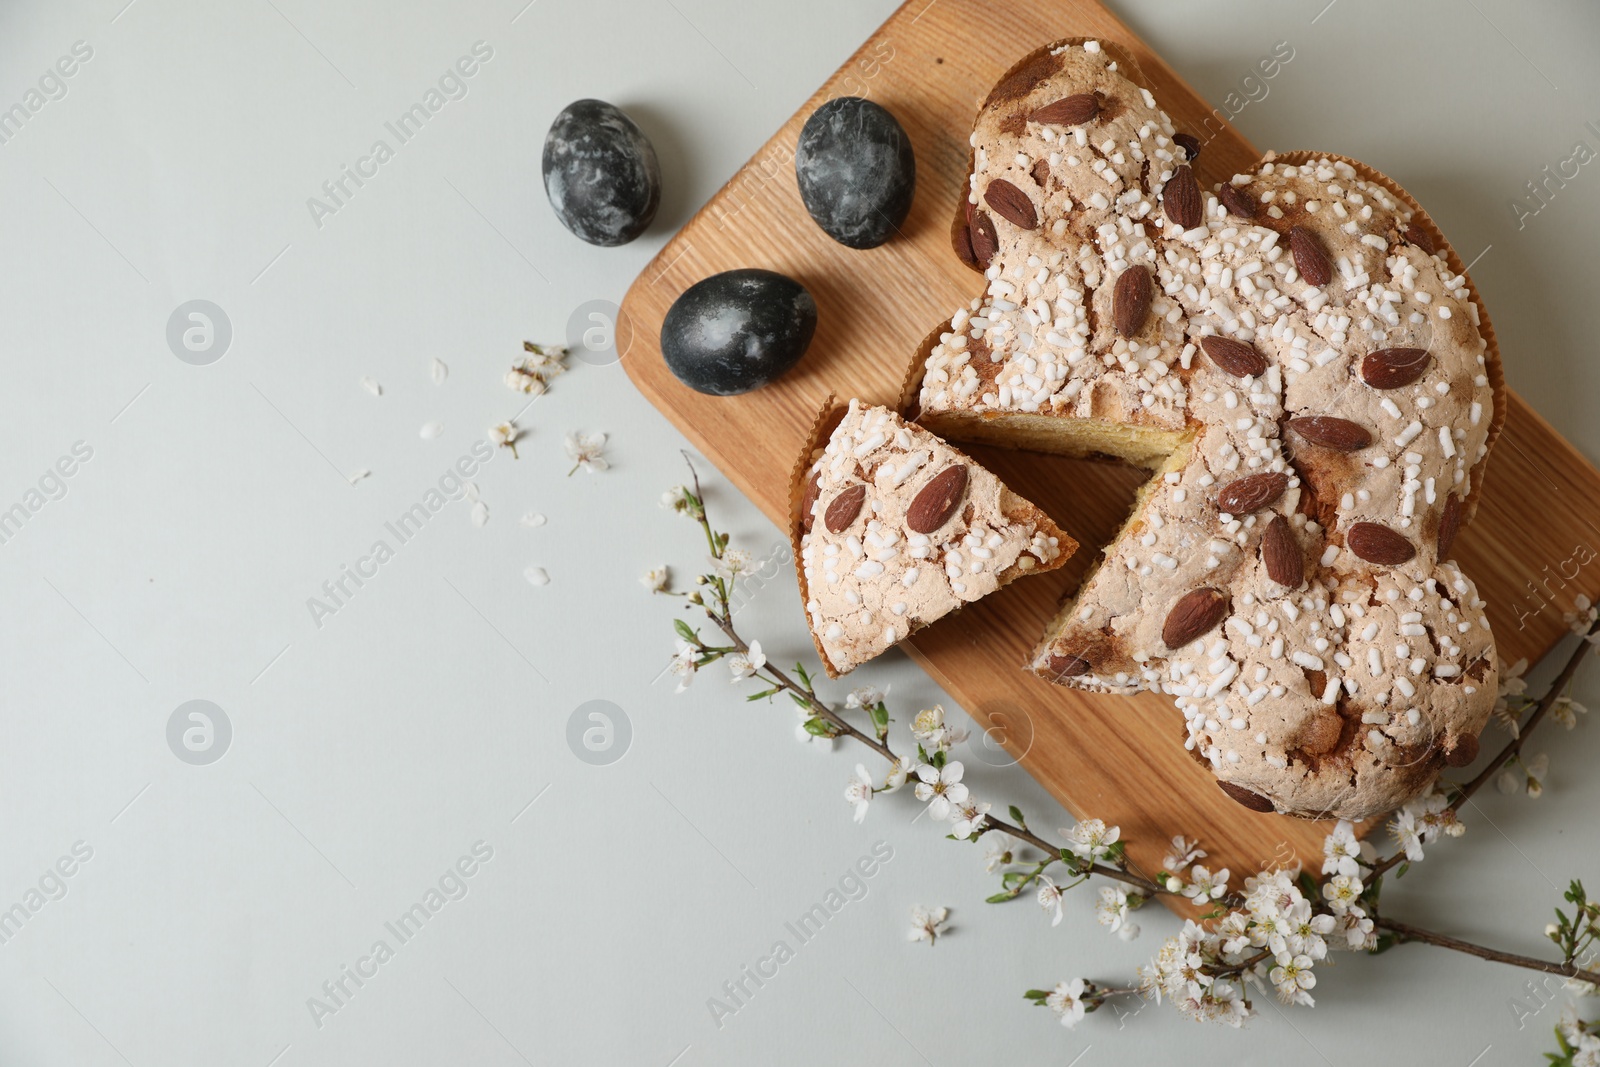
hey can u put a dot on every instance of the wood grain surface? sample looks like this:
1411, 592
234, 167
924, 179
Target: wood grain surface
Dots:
1531, 549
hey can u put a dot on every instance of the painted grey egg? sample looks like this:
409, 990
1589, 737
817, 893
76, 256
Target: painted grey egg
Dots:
857, 171
600, 173
738, 330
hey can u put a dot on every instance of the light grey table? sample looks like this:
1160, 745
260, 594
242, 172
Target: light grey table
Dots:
421, 728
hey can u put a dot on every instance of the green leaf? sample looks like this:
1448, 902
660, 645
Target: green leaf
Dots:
1400, 871
1036, 995
1117, 853
800, 672
768, 693
685, 632
817, 726
1015, 879
880, 718
1000, 898
800, 700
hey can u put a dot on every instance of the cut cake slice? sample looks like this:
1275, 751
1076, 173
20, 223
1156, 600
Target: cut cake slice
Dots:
896, 529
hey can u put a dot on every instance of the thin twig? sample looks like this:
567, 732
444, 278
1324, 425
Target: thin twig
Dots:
1407, 932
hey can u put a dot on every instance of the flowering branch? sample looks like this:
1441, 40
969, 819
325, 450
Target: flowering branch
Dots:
1404, 932
1273, 930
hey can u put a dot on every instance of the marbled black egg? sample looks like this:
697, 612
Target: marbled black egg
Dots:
737, 331
600, 173
857, 171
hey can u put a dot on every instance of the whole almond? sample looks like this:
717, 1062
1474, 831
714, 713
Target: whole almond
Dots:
937, 501
1011, 204
1377, 543
808, 500
1181, 198
1237, 201
1190, 144
1130, 300
1253, 801
1252, 492
844, 508
1234, 356
1449, 524
985, 242
1391, 368
1195, 614
1418, 236
1463, 752
1310, 259
1330, 432
1074, 110
1285, 563
1061, 666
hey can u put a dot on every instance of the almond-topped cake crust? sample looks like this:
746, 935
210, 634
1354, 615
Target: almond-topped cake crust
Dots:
1307, 379
898, 529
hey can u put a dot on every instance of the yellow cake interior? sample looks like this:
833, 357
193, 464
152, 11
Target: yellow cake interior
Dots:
1159, 451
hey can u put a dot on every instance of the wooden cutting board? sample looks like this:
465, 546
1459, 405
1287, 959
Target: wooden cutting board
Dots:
1116, 758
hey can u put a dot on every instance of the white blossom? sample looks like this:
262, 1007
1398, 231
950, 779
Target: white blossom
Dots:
968, 818
684, 664
1341, 852
733, 564
929, 727
1582, 618
1530, 780
1341, 892
678, 499
1049, 898
1358, 929
1091, 840
1001, 850
940, 788
742, 665
928, 924
506, 435
585, 450
521, 380
1422, 820
1205, 886
656, 578
532, 373
1509, 697
1292, 977
859, 792
1566, 711
866, 696
899, 771
1066, 1000
1112, 911
1184, 852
